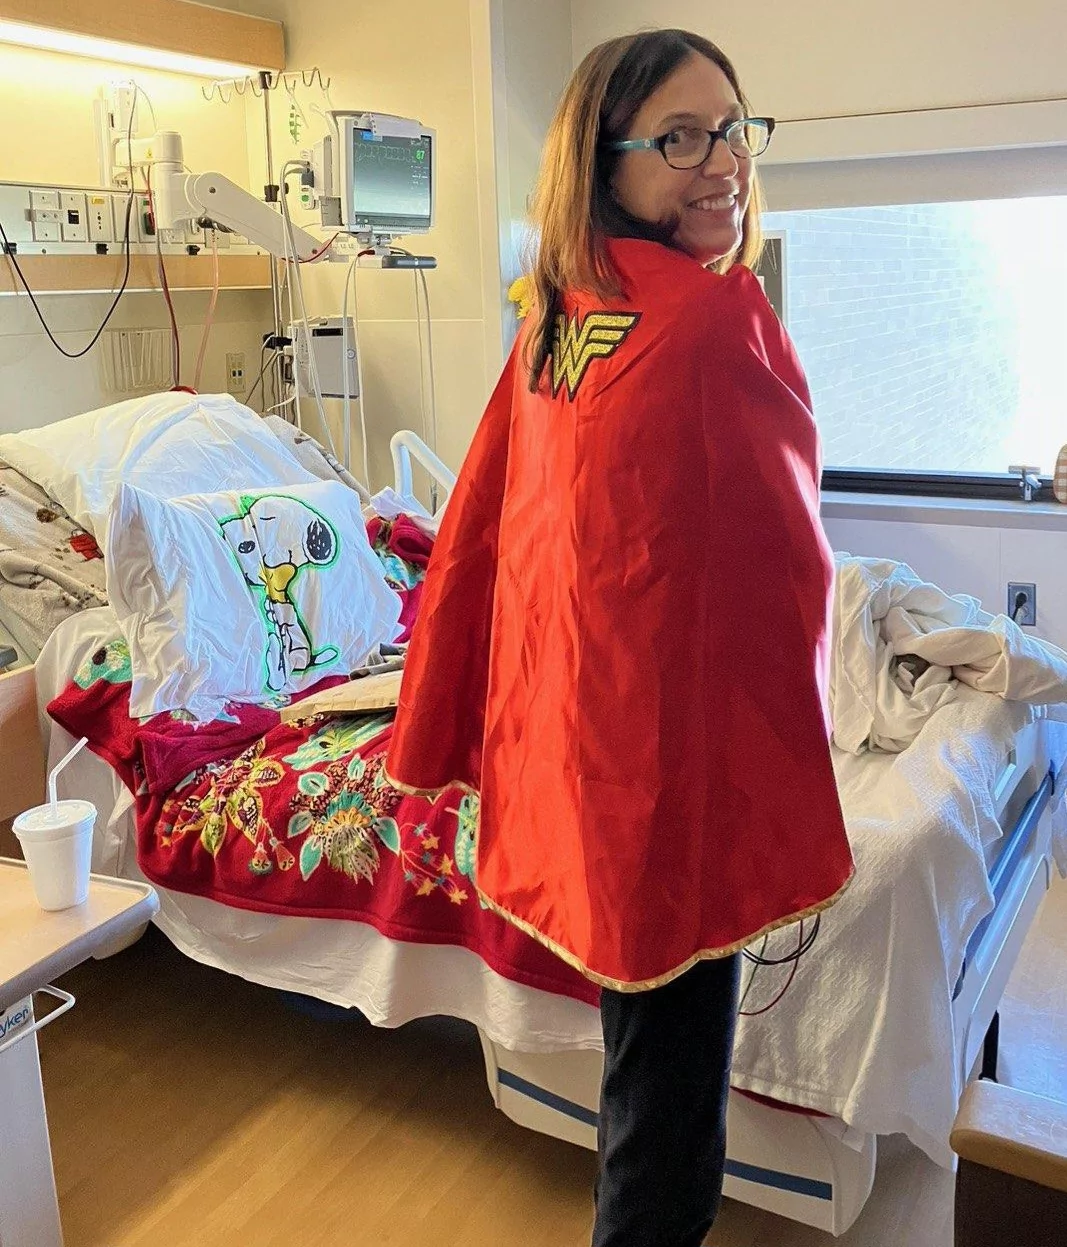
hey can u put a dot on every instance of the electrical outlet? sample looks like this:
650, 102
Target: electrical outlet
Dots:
101, 224
235, 372
1022, 604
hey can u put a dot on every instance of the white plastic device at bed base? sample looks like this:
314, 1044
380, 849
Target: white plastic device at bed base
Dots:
805, 1168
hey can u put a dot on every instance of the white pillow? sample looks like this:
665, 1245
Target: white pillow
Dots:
166, 444
243, 596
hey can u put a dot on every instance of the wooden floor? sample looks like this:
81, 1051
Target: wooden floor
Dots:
191, 1109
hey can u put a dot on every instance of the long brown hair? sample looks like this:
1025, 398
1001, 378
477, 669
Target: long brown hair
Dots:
573, 207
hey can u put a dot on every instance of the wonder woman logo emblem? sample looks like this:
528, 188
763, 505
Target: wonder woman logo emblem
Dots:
577, 344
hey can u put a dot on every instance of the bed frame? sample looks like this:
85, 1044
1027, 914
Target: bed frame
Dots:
809, 1169
813, 1170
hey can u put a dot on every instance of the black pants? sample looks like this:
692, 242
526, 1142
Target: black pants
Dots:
662, 1130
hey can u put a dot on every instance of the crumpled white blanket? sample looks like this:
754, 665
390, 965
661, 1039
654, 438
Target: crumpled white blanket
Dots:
902, 648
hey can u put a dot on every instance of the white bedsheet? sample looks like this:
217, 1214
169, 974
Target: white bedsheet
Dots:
346, 963
866, 1031
884, 612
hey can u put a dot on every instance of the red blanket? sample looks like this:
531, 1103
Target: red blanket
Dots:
297, 819
404, 549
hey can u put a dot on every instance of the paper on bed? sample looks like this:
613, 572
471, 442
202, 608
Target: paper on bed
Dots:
372, 692
902, 648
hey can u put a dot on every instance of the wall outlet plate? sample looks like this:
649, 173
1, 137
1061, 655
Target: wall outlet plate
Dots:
235, 372
1025, 614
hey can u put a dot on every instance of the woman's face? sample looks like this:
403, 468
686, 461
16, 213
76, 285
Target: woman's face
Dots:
709, 201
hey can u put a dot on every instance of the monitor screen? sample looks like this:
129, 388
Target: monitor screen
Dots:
391, 182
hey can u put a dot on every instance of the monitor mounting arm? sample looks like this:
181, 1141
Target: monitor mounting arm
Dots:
181, 198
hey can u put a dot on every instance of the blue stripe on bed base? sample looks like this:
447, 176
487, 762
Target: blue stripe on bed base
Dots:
734, 1168
790, 1182
568, 1108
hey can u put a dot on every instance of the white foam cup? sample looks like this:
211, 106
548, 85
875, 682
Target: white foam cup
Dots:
57, 843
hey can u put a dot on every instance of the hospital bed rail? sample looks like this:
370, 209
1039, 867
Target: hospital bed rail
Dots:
406, 447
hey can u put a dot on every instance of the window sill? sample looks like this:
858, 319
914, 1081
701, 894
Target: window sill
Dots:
962, 512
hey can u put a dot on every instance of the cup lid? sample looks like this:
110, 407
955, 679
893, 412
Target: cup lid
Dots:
41, 822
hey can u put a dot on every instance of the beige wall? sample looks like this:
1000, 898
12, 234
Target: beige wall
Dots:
816, 58
38, 386
531, 65
46, 101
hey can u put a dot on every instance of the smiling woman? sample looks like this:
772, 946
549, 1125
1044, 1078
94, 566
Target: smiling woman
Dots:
691, 173
648, 164
652, 405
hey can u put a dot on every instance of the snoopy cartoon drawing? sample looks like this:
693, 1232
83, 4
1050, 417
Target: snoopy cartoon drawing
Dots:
275, 540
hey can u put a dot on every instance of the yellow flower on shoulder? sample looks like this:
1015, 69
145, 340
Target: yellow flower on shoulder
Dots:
521, 293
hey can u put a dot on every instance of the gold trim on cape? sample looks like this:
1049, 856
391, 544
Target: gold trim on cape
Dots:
602, 980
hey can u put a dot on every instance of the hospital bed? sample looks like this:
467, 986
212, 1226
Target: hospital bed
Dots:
541, 1050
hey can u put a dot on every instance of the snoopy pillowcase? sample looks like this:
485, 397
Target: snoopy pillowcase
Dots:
243, 596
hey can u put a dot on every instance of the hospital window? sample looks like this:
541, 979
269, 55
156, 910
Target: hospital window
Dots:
933, 336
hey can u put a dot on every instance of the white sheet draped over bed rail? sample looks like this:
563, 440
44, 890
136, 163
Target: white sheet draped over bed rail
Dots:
866, 1032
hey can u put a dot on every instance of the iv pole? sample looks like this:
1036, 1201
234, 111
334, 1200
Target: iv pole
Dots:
270, 195
262, 85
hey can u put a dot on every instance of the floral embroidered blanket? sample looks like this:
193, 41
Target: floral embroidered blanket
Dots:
298, 819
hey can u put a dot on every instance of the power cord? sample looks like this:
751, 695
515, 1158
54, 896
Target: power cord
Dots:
265, 363
803, 947
752, 977
350, 287
755, 1013
760, 960
292, 258
9, 252
429, 421
176, 346
212, 304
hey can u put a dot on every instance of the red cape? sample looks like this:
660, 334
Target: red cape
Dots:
623, 637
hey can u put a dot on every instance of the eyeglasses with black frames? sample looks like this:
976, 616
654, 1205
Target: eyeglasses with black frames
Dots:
687, 147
